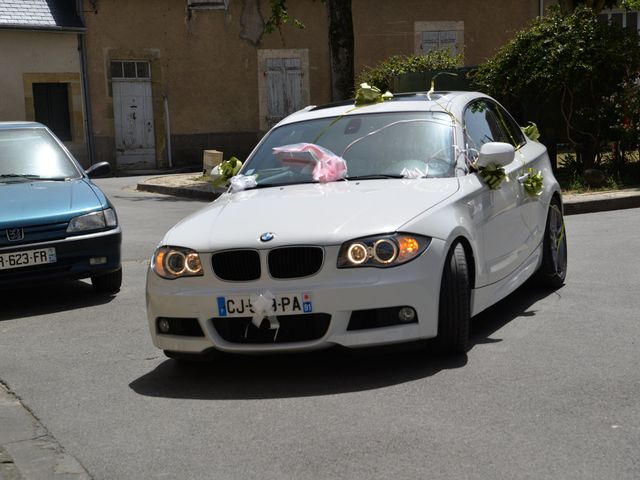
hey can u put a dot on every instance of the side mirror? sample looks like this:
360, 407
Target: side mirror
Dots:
98, 170
498, 153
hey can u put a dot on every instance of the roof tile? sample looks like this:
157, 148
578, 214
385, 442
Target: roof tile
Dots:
56, 14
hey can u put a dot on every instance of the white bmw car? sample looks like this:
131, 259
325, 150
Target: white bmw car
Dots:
360, 226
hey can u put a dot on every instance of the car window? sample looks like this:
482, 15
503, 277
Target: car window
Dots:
370, 144
485, 121
514, 132
34, 154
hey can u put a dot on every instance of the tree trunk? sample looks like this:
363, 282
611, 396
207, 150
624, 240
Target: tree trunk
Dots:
341, 48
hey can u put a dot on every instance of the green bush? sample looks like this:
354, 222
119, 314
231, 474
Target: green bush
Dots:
567, 67
382, 74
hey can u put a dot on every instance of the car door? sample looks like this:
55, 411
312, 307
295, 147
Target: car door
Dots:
500, 214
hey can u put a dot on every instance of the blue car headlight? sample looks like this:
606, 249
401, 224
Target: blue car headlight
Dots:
381, 250
93, 221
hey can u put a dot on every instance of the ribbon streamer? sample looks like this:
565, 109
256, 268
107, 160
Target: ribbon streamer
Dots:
242, 182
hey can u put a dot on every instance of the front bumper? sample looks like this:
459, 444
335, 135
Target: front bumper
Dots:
334, 292
73, 259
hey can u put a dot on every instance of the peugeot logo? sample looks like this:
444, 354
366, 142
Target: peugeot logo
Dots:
15, 234
267, 236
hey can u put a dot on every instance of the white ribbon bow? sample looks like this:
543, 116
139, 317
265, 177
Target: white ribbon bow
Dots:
262, 306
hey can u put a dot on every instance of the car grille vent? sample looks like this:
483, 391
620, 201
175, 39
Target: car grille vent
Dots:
293, 328
36, 233
295, 262
236, 265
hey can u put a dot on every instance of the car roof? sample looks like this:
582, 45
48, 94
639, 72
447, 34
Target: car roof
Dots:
20, 124
446, 102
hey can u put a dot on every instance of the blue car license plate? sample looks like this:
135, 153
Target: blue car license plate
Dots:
27, 258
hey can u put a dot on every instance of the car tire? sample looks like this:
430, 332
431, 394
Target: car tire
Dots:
553, 270
454, 310
108, 283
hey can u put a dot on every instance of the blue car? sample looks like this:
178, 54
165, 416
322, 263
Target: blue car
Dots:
55, 223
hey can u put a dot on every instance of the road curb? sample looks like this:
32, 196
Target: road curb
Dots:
27, 450
188, 192
601, 202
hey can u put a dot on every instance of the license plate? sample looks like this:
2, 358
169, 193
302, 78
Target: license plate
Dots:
285, 304
27, 258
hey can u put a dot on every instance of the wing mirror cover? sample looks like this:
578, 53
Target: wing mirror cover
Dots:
98, 170
498, 153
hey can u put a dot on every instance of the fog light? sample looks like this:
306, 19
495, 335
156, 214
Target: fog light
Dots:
406, 314
163, 325
97, 260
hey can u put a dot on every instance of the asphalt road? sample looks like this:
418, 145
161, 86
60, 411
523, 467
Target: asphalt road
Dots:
550, 388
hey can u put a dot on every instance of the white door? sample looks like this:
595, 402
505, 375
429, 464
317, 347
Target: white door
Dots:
284, 88
507, 239
133, 115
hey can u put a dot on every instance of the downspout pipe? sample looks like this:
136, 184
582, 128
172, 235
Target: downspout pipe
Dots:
88, 123
168, 130
541, 3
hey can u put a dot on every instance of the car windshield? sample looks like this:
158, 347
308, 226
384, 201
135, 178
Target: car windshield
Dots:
33, 154
378, 145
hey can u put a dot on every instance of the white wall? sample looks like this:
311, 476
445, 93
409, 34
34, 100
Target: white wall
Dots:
31, 52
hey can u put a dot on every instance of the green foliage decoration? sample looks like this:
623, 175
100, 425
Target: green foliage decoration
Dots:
531, 131
227, 169
367, 94
493, 175
381, 75
533, 183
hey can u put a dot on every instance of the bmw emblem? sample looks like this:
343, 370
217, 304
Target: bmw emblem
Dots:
267, 236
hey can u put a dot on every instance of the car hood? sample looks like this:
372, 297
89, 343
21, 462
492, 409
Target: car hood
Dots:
326, 214
39, 202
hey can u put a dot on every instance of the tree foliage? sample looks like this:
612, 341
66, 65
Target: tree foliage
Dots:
571, 60
381, 75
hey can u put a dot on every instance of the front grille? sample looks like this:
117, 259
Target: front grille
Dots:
293, 328
295, 262
236, 265
35, 234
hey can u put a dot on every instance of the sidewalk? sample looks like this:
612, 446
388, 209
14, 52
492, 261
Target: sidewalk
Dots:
189, 185
27, 450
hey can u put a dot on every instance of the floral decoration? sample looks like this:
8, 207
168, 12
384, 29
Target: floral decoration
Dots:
368, 94
493, 175
533, 183
531, 131
226, 170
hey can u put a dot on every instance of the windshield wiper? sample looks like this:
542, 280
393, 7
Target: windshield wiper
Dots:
280, 184
31, 176
18, 175
376, 176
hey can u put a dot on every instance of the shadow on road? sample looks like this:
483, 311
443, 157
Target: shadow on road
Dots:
236, 377
46, 299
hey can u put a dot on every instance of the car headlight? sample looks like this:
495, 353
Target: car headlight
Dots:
174, 262
93, 221
381, 250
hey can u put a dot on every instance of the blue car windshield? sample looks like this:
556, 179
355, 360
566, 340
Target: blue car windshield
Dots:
372, 145
33, 154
